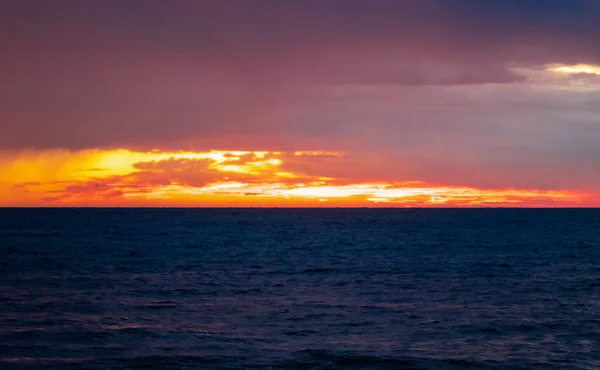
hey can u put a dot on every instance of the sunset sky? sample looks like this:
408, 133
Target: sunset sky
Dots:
316, 103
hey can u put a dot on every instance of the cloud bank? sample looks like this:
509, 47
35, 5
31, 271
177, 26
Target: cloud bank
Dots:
461, 92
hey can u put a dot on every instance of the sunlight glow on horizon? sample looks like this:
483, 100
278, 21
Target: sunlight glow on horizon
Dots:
118, 177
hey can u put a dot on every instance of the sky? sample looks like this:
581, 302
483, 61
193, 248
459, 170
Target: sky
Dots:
312, 103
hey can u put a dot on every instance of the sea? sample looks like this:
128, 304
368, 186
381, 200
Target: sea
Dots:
299, 288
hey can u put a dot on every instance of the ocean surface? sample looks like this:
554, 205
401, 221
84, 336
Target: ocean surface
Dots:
299, 289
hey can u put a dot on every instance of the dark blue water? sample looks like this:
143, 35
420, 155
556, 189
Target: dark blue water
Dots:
299, 289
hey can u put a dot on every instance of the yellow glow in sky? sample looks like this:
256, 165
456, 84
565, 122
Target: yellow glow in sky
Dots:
123, 177
577, 68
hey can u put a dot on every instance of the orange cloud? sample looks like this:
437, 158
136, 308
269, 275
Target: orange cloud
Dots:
234, 178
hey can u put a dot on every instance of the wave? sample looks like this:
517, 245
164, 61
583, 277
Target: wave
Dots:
302, 360
319, 359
